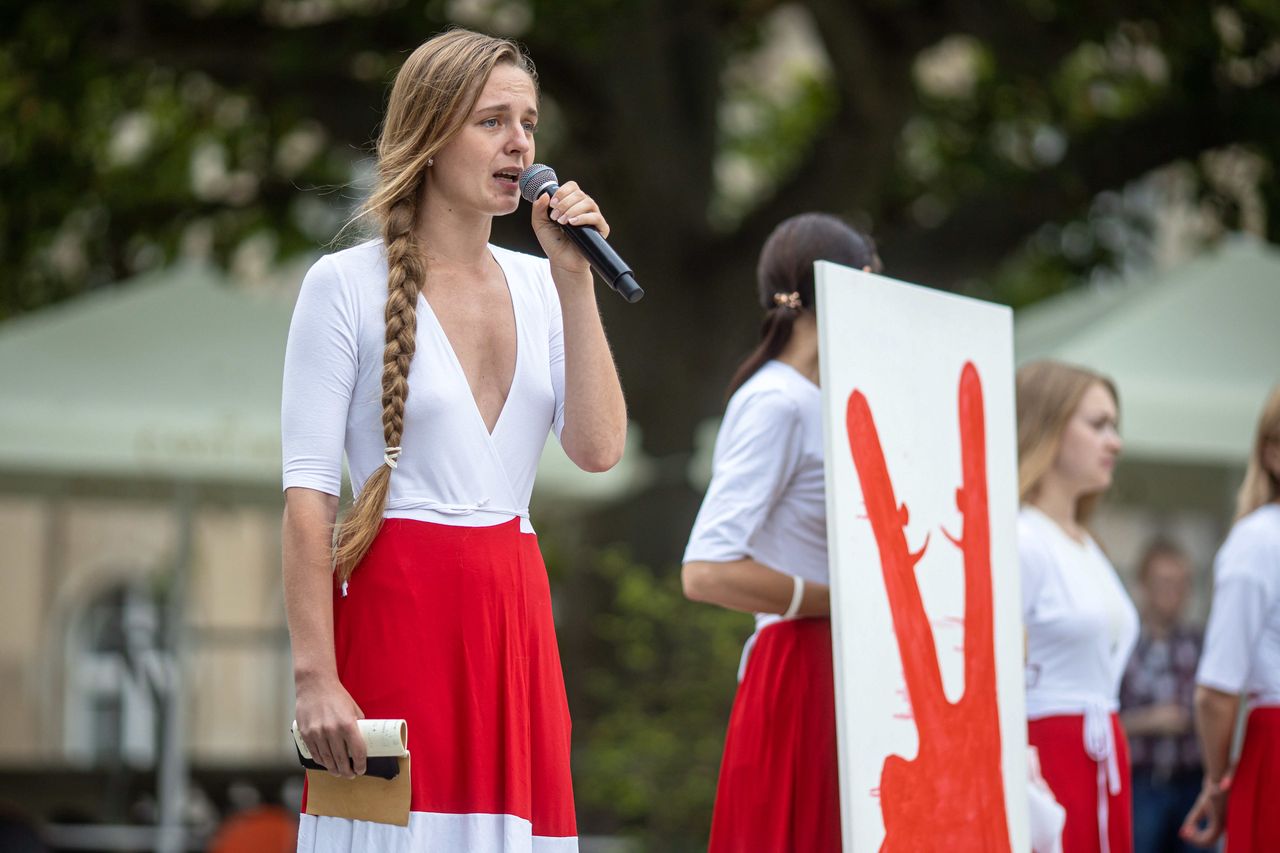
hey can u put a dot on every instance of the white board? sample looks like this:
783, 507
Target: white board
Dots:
926, 761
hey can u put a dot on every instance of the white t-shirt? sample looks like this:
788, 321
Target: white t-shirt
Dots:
767, 497
1242, 641
1081, 624
451, 470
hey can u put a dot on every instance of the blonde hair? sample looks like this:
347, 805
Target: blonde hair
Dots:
1261, 486
434, 92
1048, 394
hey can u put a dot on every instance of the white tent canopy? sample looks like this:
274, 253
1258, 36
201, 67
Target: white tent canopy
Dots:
1193, 350
176, 376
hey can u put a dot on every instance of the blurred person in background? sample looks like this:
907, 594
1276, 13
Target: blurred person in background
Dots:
1155, 702
759, 545
1081, 625
441, 363
1242, 655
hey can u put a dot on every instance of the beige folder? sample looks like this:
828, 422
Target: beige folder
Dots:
365, 797
362, 798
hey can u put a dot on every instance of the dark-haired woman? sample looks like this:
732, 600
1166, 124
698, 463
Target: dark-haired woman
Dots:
759, 545
440, 363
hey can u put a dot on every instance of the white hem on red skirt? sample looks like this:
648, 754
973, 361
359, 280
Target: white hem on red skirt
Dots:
428, 832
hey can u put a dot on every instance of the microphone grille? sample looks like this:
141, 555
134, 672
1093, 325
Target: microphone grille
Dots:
534, 179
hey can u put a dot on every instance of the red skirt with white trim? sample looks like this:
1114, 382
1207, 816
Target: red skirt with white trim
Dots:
779, 789
450, 628
1253, 805
1073, 776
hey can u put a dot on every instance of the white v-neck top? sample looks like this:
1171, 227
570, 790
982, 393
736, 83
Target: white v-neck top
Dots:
1081, 624
1242, 641
451, 470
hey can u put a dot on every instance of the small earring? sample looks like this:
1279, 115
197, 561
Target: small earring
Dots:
431, 161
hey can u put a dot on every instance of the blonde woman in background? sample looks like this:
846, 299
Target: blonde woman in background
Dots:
440, 363
1081, 625
1242, 655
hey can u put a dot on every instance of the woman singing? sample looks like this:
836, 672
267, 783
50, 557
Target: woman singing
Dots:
439, 363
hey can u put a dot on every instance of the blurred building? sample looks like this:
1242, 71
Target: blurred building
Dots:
139, 522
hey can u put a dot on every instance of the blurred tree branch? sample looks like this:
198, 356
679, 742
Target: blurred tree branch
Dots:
641, 90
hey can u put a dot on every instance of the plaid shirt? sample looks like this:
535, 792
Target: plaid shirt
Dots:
1161, 671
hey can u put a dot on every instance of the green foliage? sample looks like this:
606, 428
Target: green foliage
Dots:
652, 678
1034, 273
765, 131
114, 164
139, 132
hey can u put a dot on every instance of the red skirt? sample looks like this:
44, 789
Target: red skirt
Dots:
1253, 806
450, 628
779, 786
1073, 777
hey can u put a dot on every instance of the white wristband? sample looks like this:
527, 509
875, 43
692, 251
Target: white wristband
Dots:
797, 596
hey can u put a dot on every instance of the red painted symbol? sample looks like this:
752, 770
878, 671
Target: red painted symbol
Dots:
951, 795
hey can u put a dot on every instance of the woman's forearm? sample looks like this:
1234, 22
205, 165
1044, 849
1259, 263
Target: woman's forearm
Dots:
1156, 720
1215, 722
325, 712
595, 414
308, 581
751, 587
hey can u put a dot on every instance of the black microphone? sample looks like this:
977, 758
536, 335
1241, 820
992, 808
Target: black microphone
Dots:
539, 180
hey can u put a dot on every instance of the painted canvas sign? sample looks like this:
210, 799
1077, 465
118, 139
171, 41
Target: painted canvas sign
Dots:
921, 509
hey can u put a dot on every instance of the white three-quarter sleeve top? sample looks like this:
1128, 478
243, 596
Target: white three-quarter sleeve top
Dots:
1242, 641
1081, 628
451, 470
767, 497
1081, 624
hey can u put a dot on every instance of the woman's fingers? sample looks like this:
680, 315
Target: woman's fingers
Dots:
1204, 812
589, 217
319, 749
336, 744
346, 751
571, 206
327, 722
355, 749
564, 197
339, 749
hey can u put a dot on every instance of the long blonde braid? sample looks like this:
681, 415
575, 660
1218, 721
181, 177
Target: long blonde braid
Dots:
405, 275
434, 92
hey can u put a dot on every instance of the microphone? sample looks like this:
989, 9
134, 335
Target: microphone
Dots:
541, 180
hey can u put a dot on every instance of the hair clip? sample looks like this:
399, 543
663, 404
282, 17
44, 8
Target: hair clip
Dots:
790, 301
